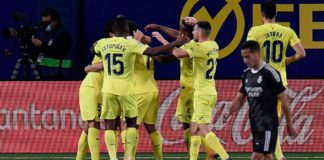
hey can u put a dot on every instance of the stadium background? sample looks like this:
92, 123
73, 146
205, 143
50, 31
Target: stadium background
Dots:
84, 20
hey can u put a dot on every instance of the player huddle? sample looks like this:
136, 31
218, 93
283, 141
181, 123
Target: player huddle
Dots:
120, 88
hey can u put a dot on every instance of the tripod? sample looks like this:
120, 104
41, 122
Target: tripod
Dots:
25, 60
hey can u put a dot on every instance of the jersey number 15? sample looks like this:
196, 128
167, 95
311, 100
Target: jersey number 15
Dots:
114, 60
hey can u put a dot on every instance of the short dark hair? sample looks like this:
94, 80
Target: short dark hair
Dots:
252, 45
187, 28
205, 26
108, 28
269, 9
120, 25
55, 16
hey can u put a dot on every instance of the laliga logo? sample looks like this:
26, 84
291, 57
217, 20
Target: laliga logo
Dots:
218, 21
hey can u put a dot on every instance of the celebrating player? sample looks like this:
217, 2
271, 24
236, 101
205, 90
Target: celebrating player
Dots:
204, 54
185, 102
90, 99
274, 40
262, 85
118, 86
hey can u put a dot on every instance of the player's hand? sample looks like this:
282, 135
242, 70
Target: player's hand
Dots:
87, 68
150, 27
191, 20
159, 37
36, 41
7, 52
146, 39
292, 132
138, 35
226, 117
182, 39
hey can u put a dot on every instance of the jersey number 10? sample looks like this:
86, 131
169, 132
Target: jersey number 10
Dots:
114, 60
272, 53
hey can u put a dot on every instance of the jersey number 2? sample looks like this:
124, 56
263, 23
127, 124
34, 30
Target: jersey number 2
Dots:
115, 61
212, 63
267, 45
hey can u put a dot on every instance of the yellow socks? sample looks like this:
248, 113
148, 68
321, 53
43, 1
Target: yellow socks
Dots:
94, 143
278, 152
82, 146
215, 144
187, 138
130, 142
110, 140
156, 143
208, 150
135, 147
195, 146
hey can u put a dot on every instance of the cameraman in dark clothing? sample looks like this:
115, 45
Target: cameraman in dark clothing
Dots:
54, 44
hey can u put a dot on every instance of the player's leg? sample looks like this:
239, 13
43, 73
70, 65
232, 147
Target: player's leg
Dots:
257, 156
83, 142
278, 152
110, 112
130, 113
268, 157
88, 101
93, 139
202, 117
184, 112
123, 127
195, 141
94, 99
150, 119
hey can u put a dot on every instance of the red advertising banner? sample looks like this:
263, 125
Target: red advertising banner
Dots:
43, 117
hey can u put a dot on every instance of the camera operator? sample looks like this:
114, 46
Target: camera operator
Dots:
54, 45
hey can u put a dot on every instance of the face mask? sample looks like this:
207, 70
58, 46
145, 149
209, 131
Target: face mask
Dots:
48, 28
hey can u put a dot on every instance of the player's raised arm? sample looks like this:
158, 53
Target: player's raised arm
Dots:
160, 49
285, 109
160, 38
300, 54
168, 31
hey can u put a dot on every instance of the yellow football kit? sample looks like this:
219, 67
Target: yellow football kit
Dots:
274, 40
119, 85
204, 56
90, 94
185, 101
146, 90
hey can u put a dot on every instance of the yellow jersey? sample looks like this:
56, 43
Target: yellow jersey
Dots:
204, 57
94, 79
186, 68
144, 75
119, 56
274, 40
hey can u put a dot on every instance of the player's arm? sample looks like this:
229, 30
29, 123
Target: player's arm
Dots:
285, 109
94, 67
179, 53
297, 46
165, 58
300, 54
237, 103
165, 48
160, 38
168, 31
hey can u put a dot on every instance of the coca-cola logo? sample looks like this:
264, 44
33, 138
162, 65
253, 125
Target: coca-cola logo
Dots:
238, 128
